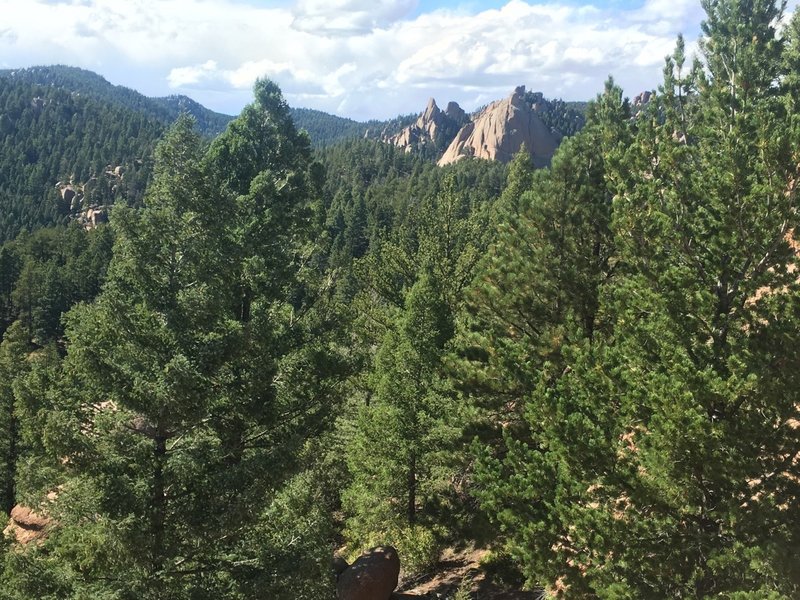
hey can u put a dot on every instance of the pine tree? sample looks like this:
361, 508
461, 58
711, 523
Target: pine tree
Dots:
657, 459
13, 364
405, 446
191, 383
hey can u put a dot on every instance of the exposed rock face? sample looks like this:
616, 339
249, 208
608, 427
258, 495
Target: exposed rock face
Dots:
26, 526
373, 576
434, 128
455, 112
93, 216
642, 99
499, 132
67, 194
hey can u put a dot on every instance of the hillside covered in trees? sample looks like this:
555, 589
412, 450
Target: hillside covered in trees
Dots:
279, 353
69, 126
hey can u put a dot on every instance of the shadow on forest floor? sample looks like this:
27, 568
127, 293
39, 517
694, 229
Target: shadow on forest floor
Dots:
454, 569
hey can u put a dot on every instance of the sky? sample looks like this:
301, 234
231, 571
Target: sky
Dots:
355, 58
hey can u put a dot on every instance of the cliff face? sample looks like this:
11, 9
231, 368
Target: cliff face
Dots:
432, 131
499, 132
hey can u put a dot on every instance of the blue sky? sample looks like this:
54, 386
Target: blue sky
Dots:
357, 58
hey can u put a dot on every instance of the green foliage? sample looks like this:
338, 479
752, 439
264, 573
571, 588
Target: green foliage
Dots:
283, 355
418, 546
564, 118
294, 534
54, 135
463, 592
325, 129
79, 81
62, 124
184, 395
404, 448
644, 449
13, 363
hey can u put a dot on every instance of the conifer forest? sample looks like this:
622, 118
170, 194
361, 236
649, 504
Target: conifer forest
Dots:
236, 347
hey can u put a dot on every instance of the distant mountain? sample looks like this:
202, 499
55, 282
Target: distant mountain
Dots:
325, 129
87, 83
429, 134
494, 132
71, 144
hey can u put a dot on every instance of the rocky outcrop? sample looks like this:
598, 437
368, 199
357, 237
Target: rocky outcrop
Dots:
500, 130
80, 199
456, 113
641, 99
373, 576
433, 129
26, 526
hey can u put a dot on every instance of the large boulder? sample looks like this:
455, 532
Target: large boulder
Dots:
26, 526
373, 576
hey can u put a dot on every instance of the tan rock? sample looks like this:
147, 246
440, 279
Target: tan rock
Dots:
26, 526
433, 127
499, 132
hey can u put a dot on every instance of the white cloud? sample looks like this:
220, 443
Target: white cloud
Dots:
347, 17
186, 76
361, 58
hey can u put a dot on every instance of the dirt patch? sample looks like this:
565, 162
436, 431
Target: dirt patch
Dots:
454, 568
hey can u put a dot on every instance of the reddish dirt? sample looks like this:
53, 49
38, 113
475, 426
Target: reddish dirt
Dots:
454, 568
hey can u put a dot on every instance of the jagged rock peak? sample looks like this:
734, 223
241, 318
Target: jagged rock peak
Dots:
431, 111
455, 112
642, 99
432, 130
499, 132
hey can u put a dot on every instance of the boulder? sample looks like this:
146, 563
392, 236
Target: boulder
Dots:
373, 576
25, 525
338, 566
67, 193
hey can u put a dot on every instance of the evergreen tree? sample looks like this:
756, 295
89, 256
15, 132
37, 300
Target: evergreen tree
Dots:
657, 456
406, 444
183, 396
13, 364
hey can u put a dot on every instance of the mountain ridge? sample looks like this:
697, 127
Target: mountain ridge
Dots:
82, 81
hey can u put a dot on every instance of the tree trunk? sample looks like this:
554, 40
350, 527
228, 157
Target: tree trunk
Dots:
412, 488
10, 492
158, 503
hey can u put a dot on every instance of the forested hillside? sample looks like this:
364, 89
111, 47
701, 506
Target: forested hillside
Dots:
68, 125
52, 135
325, 129
587, 371
87, 83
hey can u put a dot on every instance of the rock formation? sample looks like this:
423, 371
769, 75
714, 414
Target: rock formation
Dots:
26, 526
373, 576
433, 129
642, 99
499, 132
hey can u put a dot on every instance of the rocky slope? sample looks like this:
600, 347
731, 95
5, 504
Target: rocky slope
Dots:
433, 130
500, 130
